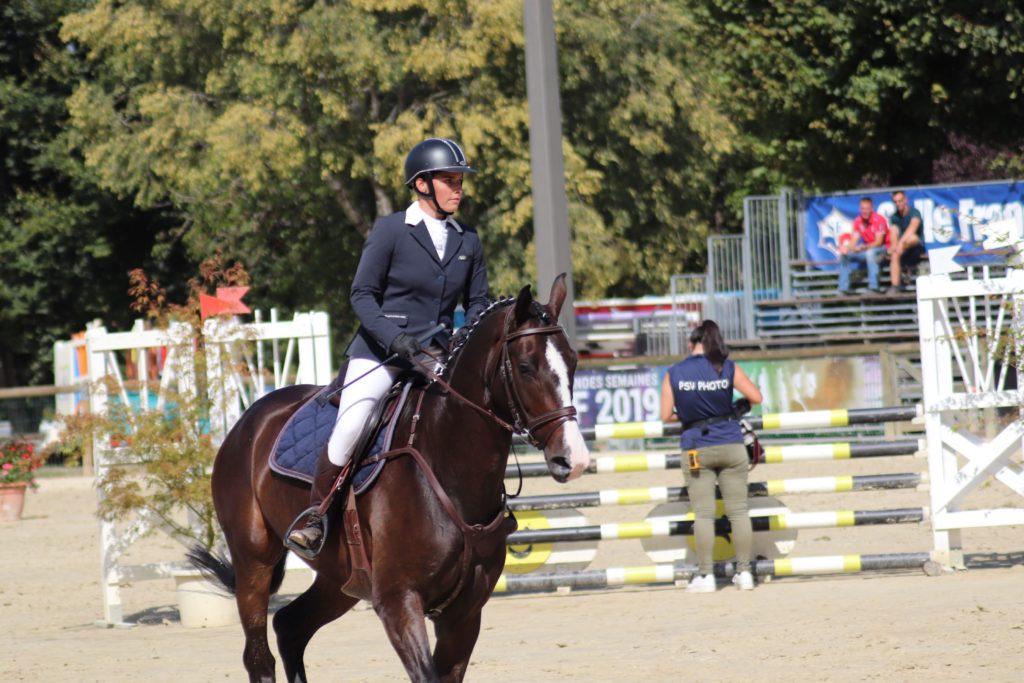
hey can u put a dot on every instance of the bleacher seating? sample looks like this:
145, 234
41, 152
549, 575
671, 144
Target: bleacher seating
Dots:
818, 278
817, 314
866, 317
813, 315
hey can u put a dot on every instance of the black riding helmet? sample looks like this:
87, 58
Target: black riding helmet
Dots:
431, 156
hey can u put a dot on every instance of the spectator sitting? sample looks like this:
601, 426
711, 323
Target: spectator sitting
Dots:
907, 248
867, 244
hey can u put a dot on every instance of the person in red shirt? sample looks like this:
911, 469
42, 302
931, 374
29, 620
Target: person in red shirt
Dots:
866, 244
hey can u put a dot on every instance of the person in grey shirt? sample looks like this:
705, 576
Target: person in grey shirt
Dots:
907, 249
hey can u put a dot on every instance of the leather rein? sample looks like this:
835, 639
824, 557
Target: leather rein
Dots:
521, 423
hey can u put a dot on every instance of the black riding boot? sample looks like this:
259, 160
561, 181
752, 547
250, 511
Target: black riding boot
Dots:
326, 474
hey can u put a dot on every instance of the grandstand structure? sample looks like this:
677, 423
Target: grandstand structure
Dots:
767, 292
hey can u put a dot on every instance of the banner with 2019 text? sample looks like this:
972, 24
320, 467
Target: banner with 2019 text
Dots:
633, 394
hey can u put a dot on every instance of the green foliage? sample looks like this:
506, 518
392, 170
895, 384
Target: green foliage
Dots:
154, 132
158, 458
158, 464
279, 129
831, 95
648, 124
64, 242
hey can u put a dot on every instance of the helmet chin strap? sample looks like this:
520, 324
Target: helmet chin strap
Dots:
429, 177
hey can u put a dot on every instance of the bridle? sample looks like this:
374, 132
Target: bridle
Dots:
537, 430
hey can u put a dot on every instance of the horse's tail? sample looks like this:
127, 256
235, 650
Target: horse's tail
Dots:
218, 569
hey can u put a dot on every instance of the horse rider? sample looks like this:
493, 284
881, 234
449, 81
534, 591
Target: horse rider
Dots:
416, 266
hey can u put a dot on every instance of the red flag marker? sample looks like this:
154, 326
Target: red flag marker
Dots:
228, 300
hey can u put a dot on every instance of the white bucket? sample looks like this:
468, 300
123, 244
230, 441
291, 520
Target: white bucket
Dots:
201, 604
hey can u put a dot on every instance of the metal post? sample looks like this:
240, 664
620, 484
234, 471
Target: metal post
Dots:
710, 309
890, 389
800, 225
784, 248
673, 340
550, 208
748, 270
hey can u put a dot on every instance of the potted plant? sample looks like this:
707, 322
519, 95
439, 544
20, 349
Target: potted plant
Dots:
157, 457
18, 464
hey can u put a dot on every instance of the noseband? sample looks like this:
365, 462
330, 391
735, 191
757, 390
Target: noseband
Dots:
538, 430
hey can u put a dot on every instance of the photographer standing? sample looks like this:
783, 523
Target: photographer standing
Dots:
698, 391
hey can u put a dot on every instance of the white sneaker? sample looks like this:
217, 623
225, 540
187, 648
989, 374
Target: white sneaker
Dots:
744, 581
702, 584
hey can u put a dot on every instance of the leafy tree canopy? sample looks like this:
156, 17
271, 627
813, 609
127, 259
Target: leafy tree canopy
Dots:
279, 129
66, 246
155, 133
830, 95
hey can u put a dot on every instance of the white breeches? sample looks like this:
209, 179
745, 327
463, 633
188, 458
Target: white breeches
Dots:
357, 402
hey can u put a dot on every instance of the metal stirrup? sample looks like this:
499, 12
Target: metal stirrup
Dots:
306, 553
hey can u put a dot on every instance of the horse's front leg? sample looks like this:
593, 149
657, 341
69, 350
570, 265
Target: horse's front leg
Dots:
402, 615
296, 622
456, 637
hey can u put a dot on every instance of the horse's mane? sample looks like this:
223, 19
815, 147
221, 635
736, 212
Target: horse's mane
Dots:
464, 333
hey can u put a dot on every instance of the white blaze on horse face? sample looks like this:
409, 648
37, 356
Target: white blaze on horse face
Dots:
572, 439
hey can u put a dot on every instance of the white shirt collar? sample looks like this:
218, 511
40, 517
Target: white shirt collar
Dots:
414, 214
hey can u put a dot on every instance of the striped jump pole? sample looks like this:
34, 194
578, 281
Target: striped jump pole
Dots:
811, 419
684, 527
669, 573
649, 462
673, 494
841, 451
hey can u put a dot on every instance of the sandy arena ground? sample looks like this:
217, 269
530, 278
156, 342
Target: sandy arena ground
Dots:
905, 626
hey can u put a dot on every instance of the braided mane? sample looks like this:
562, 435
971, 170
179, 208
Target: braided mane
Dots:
463, 335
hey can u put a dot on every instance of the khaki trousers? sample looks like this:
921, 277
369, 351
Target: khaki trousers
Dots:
728, 466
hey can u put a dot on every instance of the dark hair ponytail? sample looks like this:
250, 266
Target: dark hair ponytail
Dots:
709, 336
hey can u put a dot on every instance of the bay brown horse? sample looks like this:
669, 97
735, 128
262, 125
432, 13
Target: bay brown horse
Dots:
513, 369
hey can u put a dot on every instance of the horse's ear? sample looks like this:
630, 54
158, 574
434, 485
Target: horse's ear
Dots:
557, 298
523, 304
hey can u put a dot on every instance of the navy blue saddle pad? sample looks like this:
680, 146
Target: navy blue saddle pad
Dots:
300, 442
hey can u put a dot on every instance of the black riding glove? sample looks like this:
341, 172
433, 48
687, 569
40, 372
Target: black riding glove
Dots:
405, 346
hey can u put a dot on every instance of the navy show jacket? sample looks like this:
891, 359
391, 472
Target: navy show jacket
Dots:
402, 286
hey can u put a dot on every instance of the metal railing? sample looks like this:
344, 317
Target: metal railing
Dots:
771, 240
725, 286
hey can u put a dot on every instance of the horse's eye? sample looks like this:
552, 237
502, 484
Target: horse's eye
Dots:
524, 367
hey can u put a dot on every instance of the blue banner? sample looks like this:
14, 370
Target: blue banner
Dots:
954, 214
614, 395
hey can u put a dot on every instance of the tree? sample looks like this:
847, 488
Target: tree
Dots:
279, 129
64, 242
275, 130
828, 94
646, 117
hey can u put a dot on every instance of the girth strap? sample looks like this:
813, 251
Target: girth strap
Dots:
358, 584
